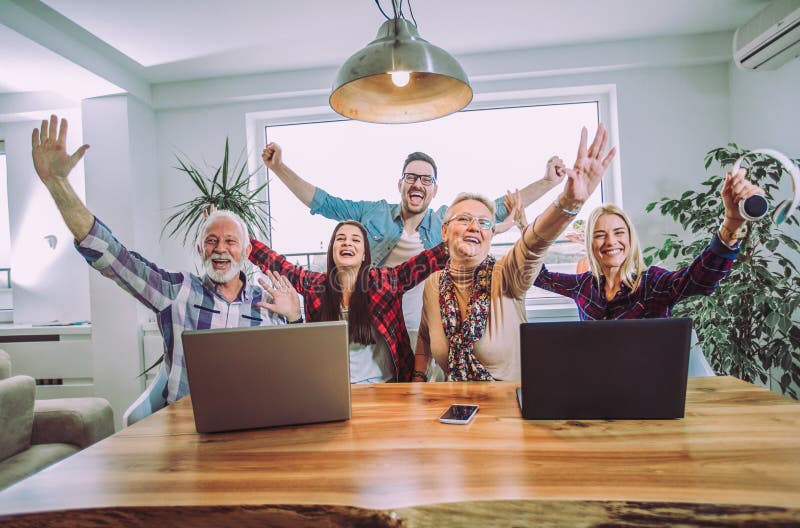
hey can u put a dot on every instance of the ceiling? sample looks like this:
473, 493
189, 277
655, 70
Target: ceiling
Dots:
81, 48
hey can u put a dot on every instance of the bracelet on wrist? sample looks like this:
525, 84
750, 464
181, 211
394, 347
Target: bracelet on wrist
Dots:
419, 374
558, 206
298, 321
734, 236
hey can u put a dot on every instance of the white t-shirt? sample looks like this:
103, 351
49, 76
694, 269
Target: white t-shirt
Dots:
409, 245
371, 363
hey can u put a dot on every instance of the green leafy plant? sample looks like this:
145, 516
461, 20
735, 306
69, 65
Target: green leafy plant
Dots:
227, 188
749, 326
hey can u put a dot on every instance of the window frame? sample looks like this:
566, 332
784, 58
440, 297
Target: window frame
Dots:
604, 96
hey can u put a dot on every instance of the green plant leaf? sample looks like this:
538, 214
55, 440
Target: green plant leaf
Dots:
749, 325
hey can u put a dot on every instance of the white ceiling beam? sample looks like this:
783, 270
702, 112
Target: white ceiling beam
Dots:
28, 105
48, 28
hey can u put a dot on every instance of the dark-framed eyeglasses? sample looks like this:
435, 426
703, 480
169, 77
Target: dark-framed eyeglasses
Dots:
426, 179
467, 219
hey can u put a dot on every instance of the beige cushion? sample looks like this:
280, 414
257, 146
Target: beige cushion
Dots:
32, 460
79, 421
16, 414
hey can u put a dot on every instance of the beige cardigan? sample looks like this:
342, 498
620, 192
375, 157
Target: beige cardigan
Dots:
498, 349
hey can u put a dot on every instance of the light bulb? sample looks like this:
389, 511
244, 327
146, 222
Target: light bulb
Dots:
400, 78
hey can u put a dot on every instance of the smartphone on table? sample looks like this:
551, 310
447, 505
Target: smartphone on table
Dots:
459, 413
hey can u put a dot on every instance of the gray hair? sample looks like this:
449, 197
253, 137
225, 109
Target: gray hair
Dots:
462, 197
230, 215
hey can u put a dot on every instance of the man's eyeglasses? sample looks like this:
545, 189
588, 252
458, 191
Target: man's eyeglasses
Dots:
467, 219
426, 180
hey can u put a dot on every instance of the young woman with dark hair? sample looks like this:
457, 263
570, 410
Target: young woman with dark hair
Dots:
369, 298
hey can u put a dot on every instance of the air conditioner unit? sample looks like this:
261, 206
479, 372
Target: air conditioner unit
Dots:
769, 39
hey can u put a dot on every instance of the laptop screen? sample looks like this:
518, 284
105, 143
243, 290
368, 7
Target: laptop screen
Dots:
245, 378
619, 369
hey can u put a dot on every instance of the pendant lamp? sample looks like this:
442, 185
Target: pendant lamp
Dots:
400, 78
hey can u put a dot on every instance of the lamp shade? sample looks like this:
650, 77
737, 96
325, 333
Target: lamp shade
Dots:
436, 84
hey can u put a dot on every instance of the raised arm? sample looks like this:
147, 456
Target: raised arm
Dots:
53, 165
273, 159
590, 165
553, 175
420, 266
268, 259
702, 276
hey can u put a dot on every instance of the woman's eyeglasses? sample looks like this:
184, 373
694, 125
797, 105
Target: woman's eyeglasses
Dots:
410, 177
467, 219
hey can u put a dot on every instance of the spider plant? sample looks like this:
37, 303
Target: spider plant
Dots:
228, 188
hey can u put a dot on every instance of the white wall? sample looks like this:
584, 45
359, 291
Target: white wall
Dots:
765, 108
121, 190
48, 284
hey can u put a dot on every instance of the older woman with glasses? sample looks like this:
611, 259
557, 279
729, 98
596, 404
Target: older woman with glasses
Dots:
472, 308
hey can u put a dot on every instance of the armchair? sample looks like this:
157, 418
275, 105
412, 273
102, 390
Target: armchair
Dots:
37, 433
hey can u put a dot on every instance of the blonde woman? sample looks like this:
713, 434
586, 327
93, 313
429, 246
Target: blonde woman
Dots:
619, 286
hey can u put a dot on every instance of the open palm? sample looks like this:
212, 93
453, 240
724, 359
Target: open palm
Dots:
50, 158
590, 166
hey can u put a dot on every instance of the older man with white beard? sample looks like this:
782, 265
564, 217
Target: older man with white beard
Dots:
182, 301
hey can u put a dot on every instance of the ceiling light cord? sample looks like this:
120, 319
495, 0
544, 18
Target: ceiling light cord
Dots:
378, 3
411, 12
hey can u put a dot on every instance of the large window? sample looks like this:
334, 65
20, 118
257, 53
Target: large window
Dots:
488, 150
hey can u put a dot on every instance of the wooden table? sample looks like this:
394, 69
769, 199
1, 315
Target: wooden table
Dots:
735, 456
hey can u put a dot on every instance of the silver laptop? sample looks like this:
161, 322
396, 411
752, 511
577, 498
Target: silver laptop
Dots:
620, 369
247, 378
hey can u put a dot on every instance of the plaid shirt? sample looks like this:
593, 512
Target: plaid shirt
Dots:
386, 289
657, 293
181, 301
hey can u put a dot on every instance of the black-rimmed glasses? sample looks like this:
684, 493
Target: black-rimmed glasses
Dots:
425, 179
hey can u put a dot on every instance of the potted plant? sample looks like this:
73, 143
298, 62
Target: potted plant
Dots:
226, 188
749, 327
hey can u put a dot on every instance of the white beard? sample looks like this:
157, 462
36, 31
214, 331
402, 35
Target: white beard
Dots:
218, 276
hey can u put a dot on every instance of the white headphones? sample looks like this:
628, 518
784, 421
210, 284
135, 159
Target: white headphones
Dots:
755, 209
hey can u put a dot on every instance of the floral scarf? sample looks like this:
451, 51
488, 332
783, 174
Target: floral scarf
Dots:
462, 365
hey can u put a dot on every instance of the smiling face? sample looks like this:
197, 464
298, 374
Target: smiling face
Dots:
416, 197
348, 247
223, 251
467, 241
611, 241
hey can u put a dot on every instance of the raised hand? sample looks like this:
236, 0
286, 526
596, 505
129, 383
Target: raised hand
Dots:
590, 165
285, 301
272, 155
555, 171
50, 158
736, 189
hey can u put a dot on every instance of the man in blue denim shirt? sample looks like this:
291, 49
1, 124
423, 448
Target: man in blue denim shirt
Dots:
397, 232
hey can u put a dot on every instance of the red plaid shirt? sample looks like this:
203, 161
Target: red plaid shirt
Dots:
386, 289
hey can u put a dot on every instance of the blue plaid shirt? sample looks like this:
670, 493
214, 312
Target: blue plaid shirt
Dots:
181, 301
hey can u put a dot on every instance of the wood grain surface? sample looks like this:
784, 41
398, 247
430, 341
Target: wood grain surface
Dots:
737, 448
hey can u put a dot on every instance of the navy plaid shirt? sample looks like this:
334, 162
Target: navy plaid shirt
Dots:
657, 293
386, 289
181, 301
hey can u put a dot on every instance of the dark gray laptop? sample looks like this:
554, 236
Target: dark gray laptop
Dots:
246, 378
621, 369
